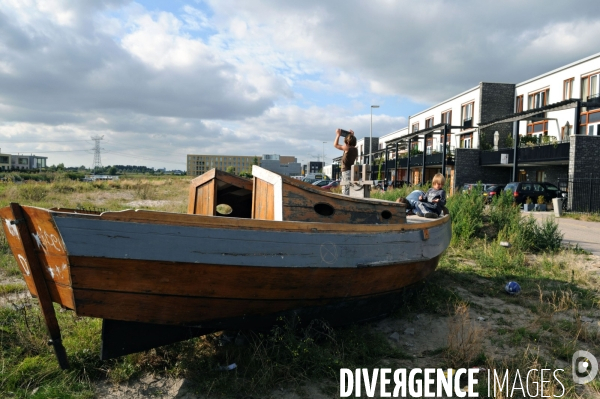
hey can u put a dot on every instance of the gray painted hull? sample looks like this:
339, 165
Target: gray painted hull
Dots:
91, 237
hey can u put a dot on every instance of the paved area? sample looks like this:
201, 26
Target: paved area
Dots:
586, 234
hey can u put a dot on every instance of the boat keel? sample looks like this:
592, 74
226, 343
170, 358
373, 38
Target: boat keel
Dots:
121, 338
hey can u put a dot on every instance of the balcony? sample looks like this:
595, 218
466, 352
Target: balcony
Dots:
468, 123
545, 152
495, 157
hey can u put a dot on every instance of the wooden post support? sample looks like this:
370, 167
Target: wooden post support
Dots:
40, 285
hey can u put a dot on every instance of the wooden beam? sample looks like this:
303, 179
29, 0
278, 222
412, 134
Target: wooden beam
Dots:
43, 293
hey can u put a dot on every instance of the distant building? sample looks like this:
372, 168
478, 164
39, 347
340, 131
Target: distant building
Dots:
285, 165
4, 161
28, 162
199, 164
315, 167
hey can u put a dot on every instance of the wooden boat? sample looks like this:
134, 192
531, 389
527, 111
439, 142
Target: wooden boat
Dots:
284, 247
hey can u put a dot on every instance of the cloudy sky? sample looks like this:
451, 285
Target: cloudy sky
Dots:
162, 79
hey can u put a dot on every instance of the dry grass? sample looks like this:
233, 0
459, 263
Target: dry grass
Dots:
108, 195
465, 338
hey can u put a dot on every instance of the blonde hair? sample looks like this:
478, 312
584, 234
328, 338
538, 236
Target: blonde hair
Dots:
439, 178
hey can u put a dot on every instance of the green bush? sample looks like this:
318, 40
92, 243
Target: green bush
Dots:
503, 211
547, 236
33, 191
466, 210
526, 234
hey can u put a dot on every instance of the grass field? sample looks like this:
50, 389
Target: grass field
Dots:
461, 316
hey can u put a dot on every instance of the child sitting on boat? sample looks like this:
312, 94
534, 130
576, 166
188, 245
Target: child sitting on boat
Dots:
433, 202
411, 201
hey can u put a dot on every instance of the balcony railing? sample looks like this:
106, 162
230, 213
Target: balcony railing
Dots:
417, 160
468, 123
553, 152
557, 151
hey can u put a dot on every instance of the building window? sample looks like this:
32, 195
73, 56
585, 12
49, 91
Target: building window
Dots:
568, 89
539, 175
538, 99
3, 159
415, 127
590, 124
466, 140
429, 145
590, 87
467, 115
447, 117
428, 122
519, 105
23, 161
537, 128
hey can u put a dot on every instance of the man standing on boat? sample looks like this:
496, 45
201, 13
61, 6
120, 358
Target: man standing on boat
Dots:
350, 155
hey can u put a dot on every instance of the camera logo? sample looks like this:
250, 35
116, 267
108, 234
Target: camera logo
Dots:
585, 367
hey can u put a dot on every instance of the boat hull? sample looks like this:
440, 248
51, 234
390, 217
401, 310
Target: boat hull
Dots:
212, 273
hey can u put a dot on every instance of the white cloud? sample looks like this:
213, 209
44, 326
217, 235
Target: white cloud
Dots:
258, 76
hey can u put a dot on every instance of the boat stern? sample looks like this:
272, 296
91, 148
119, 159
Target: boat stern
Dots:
36, 244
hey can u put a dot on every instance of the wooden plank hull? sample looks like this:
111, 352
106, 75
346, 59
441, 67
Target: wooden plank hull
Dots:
163, 268
182, 275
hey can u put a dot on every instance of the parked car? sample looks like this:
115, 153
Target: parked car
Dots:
309, 180
533, 189
321, 183
331, 185
484, 186
492, 190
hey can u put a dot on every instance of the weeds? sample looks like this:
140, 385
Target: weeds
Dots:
31, 191
467, 216
503, 211
465, 339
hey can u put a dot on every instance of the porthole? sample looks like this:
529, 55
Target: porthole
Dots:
324, 209
386, 215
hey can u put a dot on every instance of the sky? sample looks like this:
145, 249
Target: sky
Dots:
158, 80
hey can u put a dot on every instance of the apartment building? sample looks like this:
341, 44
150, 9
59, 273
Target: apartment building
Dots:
417, 153
545, 129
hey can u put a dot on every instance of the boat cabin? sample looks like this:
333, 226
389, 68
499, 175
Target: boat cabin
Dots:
271, 196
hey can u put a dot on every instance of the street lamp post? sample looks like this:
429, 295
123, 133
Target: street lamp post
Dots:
323, 167
371, 136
